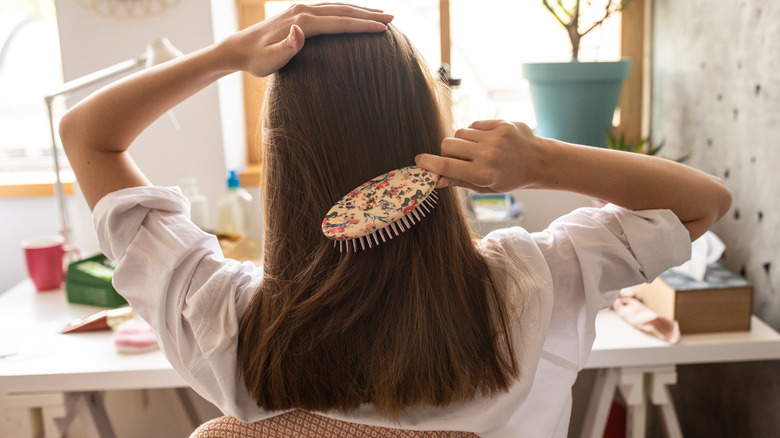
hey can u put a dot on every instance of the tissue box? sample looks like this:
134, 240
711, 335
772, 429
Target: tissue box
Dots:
723, 302
89, 282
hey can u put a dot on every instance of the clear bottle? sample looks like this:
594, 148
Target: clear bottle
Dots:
236, 214
199, 205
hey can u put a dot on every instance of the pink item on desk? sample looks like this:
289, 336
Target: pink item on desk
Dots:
633, 311
134, 337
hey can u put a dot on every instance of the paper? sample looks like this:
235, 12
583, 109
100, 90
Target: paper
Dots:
636, 313
705, 250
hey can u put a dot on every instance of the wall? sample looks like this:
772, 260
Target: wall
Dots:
716, 93
90, 42
22, 218
211, 138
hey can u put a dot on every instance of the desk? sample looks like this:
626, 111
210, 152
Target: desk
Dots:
36, 359
642, 367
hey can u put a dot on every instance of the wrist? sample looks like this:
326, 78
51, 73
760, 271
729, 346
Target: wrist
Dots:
227, 56
541, 161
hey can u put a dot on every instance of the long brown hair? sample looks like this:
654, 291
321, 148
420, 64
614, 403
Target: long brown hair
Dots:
417, 320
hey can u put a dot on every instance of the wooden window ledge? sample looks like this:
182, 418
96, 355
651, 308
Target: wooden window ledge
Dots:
250, 177
32, 184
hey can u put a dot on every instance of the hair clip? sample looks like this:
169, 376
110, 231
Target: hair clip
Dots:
380, 208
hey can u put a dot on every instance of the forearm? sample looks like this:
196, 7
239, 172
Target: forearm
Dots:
634, 181
97, 133
110, 119
494, 155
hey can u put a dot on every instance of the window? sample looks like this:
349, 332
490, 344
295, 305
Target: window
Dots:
492, 39
488, 43
419, 19
30, 68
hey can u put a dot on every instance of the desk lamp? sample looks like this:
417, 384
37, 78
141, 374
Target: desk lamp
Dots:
156, 52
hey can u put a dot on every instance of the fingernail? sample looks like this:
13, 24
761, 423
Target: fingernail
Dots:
293, 36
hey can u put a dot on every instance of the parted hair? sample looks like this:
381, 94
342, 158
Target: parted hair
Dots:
419, 320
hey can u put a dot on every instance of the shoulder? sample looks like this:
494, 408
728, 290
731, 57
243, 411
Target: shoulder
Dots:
516, 248
119, 216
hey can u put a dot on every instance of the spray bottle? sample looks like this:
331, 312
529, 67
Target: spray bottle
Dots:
199, 206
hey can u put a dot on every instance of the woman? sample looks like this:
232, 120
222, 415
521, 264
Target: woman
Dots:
403, 324
426, 332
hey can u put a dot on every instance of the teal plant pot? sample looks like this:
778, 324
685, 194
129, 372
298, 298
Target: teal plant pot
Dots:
575, 101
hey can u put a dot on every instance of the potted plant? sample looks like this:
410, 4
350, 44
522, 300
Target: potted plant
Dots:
575, 101
643, 147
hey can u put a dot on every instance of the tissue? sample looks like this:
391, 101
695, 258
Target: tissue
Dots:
705, 250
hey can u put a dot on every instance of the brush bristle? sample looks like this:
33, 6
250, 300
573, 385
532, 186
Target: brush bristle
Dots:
396, 227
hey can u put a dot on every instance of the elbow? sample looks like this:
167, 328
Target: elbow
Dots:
714, 205
721, 200
68, 132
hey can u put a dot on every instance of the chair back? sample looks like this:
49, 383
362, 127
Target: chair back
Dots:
303, 424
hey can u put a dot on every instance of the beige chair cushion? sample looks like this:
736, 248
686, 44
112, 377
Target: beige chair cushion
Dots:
302, 424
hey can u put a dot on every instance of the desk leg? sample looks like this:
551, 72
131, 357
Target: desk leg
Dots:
660, 396
89, 405
20, 418
636, 385
5, 426
600, 403
185, 408
632, 387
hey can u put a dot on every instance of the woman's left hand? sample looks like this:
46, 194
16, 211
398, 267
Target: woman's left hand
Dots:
267, 46
97, 132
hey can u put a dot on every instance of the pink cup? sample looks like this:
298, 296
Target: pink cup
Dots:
45, 258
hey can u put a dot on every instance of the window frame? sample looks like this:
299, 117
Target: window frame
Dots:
634, 98
634, 103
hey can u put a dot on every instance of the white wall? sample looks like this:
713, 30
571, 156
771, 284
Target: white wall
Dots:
544, 206
90, 42
716, 94
212, 125
21, 218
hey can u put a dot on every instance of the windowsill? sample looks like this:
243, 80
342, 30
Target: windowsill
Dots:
33, 184
250, 177
39, 184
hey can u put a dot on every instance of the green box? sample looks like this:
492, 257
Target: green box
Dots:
89, 282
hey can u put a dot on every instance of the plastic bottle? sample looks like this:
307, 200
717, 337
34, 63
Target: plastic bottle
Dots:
236, 214
199, 205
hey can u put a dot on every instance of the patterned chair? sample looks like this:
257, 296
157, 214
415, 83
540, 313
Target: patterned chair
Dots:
302, 424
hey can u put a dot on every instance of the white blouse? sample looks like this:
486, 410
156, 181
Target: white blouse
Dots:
175, 277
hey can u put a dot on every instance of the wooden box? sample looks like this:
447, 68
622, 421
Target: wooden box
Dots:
234, 246
722, 302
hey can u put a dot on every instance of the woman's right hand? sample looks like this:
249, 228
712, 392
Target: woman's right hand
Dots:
488, 156
267, 46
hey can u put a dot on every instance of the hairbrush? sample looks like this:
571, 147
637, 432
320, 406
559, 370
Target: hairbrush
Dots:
380, 208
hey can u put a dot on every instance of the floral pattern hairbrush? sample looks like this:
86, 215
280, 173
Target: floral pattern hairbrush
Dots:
380, 208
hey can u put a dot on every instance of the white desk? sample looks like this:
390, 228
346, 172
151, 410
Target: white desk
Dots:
642, 367
36, 359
